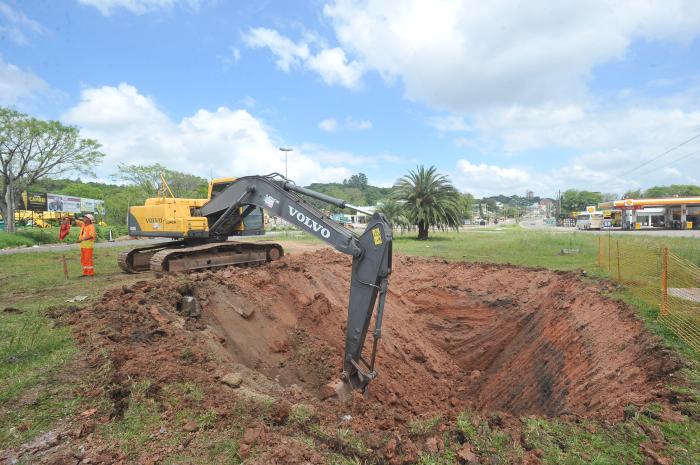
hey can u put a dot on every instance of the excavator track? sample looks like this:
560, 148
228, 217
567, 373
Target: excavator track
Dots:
177, 256
214, 254
138, 260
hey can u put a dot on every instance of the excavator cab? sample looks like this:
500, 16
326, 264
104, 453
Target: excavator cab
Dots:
253, 224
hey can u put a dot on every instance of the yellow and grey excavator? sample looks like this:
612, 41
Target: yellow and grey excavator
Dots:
234, 207
195, 244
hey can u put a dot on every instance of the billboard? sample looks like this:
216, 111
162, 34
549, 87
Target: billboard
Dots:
87, 205
63, 203
33, 201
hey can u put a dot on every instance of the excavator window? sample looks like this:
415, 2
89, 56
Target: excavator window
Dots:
254, 221
218, 188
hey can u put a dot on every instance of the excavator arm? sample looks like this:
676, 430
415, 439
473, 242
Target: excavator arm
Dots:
371, 252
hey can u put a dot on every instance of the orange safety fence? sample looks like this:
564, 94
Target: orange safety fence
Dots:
660, 278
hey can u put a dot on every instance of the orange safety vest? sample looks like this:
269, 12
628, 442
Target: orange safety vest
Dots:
87, 230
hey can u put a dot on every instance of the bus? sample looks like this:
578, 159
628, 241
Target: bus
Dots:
586, 220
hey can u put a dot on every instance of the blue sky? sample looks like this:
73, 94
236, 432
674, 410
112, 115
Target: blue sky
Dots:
503, 98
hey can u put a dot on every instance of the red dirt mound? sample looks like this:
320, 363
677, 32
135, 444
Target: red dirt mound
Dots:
456, 335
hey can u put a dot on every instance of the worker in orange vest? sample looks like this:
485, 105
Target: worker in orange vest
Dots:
86, 239
65, 228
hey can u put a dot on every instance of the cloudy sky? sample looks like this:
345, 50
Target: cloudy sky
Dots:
503, 96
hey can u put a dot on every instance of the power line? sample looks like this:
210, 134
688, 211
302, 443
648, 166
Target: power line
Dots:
661, 154
687, 155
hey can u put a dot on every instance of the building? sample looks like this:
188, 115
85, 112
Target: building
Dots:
670, 212
530, 195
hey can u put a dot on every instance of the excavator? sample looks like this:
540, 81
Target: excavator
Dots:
201, 229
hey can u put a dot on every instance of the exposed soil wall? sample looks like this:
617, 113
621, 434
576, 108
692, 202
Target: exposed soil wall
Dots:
456, 335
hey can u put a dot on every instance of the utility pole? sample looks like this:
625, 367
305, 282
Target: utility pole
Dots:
559, 209
10, 200
286, 151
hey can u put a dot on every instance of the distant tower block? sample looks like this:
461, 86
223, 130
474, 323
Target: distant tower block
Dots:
529, 195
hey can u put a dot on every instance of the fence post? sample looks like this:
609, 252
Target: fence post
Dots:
664, 281
619, 272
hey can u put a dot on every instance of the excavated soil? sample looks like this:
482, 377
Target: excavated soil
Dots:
456, 335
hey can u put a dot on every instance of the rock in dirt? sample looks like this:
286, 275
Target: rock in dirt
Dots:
190, 306
466, 453
232, 379
280, 412
326, 392
245, 312
250, 437
191, 426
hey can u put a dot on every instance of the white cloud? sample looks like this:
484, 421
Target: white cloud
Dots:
483, 179
328, 125
450, 123
332, 125
17, 85
228, 142
608, 171
235, 54
465, 55
361, 125
335, 69
643, 127
287, 52
17, 25
330, 63
139, 7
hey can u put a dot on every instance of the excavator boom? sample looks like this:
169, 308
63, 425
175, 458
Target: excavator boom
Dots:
371, 252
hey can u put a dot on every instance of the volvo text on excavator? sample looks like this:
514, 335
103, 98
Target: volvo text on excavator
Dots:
234, 208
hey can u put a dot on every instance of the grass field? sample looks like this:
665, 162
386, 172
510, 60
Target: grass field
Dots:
36, 356
28, 237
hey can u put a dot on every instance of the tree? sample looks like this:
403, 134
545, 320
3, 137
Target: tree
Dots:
429, 199
395, 213
79, 189
675, 189
33, 149
574, 200
356, 180
148, 179
635, 194
466, 205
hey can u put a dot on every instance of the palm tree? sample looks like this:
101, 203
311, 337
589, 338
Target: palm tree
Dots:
395, 213
429, 199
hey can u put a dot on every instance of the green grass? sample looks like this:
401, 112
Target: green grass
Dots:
529, 247
37, 384
425, 426
38, 236
35, 357
42, 273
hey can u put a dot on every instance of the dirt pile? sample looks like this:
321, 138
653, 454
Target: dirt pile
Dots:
456, 335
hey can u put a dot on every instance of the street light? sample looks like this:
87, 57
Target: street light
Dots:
286, 151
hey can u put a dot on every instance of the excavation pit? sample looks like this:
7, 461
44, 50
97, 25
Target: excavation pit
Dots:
456, 336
